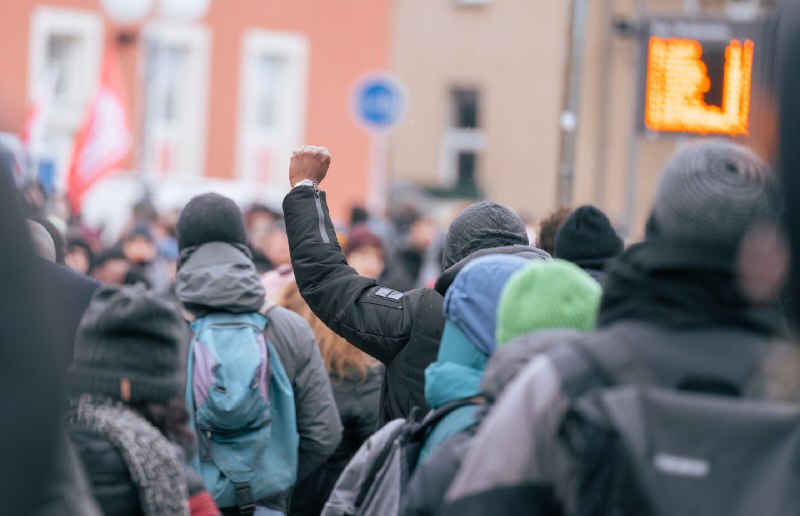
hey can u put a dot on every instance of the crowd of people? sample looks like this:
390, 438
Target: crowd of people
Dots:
221, 361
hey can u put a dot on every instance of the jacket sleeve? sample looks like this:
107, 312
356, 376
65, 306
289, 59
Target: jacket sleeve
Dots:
376, 320
515, 462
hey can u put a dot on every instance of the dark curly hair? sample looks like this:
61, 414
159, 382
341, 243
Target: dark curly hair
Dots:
171, 419
550, 226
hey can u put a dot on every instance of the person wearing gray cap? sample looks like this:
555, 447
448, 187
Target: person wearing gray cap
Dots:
400, 329
674, 322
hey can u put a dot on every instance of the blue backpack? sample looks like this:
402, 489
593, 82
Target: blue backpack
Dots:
242, 407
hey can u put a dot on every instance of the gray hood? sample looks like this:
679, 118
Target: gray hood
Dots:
483, 225
448, 276
218, 277
509, 360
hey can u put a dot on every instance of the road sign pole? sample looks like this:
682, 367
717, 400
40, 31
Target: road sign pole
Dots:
379, 184
378, 103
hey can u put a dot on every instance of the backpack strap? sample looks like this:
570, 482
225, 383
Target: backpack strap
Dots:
435, 416
244, 498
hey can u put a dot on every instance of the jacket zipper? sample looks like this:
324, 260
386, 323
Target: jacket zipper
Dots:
321, 216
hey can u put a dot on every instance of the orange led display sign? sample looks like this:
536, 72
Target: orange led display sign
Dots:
678, 84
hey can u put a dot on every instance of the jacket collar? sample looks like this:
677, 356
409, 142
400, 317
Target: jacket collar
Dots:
449, 275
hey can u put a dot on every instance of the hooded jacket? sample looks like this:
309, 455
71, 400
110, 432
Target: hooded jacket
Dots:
220, 277
425, 495
401, 330
469, 339
679, 309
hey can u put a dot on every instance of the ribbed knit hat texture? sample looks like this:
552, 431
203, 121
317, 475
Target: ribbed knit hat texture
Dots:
130, 346
587, 238
210, 217
484, 225
712, 192
547, 295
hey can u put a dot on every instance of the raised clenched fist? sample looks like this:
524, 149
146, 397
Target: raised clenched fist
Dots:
309, 162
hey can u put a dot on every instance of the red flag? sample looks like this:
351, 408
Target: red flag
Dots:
104, 139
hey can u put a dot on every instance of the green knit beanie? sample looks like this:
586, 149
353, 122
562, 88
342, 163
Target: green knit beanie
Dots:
547, 295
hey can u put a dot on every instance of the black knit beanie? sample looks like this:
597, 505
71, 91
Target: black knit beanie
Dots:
587, 238
130, 346
712, 192
484, 225
210, 217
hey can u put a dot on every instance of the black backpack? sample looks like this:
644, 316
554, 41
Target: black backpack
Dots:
640, 449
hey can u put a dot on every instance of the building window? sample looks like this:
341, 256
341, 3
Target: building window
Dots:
66, 48
272, 104
176, 94
465, 108
462, 144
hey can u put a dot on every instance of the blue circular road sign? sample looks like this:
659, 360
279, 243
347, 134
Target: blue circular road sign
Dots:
379, 101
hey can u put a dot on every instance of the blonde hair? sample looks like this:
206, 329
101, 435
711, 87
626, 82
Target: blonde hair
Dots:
341, 358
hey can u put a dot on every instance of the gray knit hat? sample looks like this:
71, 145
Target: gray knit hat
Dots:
483, 225
130, 346
712, 192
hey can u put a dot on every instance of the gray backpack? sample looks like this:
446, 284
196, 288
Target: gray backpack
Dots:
639, 449
376, 477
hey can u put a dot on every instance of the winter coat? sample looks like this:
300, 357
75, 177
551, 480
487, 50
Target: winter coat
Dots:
357, 400
219, 277
401, 330
67, 490
111, 481
68, 295
425, 493
108, 474
470, 308
432, 478
451, 382
132, 467
681, 311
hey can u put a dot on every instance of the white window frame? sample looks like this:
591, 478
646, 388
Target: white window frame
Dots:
191, 142
66, 114
454, 142
294, 49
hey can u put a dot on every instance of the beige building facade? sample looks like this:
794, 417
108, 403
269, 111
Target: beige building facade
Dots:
486, 82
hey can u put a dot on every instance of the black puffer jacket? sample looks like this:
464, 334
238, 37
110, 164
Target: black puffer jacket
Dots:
402, 330
109, 476
357, 400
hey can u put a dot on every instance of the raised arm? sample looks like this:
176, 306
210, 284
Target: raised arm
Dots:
377, 320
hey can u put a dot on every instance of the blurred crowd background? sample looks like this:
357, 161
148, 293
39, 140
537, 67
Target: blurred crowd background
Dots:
533, 106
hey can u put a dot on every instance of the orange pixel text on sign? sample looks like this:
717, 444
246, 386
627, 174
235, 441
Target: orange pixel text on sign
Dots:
677, 82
